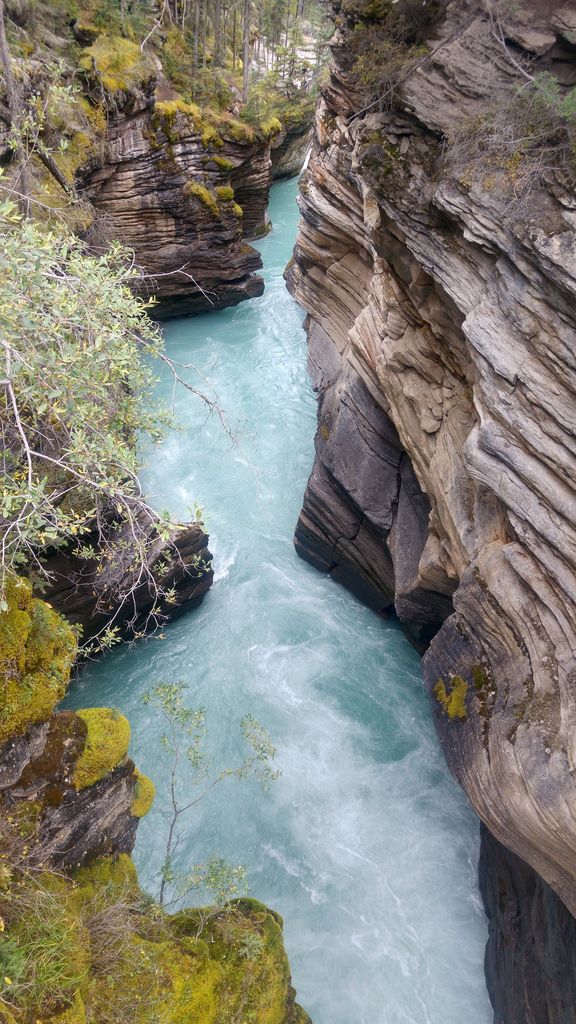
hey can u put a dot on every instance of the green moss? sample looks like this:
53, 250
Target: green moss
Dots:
230, 128
237, 210
37, 650
120, 958
118, 62
118, 872
195, 190
224, 192
224, 164
144, 796
75, 1014
271, 126
210, 137
453, 701
170, 108
106, 745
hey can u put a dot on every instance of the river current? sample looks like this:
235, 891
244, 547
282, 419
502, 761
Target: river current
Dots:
365, 844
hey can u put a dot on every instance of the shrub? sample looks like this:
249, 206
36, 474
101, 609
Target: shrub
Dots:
78, 395
514, 143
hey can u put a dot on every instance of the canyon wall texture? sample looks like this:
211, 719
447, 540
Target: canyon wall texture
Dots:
183, 195
442, 338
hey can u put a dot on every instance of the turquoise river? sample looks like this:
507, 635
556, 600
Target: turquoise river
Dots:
364, 844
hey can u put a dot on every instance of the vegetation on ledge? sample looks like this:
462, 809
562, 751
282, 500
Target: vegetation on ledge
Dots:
93, 950
37, 650
106, 746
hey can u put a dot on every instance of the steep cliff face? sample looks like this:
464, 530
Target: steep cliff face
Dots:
184, 195
442, 337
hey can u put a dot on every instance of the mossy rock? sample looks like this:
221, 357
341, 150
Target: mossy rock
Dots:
118, 63
37, 650
170, 108
115, 872
452, 699
144, 795
223, 163
211, 137
75, 1014
194, 190
225, 193
106, 745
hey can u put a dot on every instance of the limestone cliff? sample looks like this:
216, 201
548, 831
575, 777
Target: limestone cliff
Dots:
442, 335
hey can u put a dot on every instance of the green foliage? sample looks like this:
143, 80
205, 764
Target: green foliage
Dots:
515, 143
78, 392
47, 946
275, 104
453, 698
118, 63
37, 650
106, 746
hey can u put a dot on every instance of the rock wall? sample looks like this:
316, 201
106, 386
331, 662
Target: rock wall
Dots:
155, 186
442, 336
76, 588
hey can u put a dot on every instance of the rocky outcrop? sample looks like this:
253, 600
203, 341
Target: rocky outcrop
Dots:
442, 334
65, 778
183, 194
77, 589
531, 941
289, 149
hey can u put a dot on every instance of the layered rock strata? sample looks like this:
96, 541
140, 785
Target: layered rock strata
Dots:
183, 199
80, 592
442, 337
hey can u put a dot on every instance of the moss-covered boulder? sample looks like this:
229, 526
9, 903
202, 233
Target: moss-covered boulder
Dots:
106, 746
37, 649
108, 954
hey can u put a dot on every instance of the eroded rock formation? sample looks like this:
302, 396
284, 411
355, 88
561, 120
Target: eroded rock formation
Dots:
184, 197
442, 338
80, 592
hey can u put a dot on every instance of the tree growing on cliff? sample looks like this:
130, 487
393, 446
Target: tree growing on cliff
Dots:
184, 743
75, 395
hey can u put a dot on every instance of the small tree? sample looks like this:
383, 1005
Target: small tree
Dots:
75, 394
184, 742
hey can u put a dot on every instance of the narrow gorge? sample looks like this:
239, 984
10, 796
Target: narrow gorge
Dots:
159, 279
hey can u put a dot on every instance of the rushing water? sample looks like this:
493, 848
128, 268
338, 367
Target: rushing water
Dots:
364, 844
